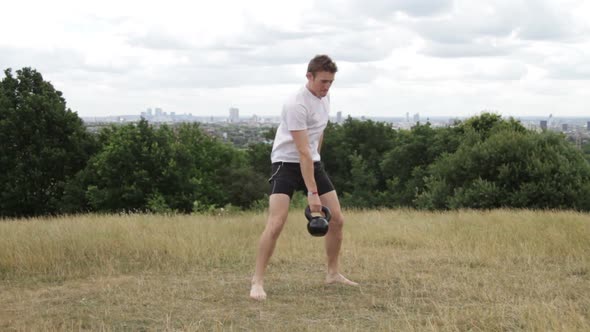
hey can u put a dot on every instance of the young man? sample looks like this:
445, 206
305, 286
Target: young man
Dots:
296, 165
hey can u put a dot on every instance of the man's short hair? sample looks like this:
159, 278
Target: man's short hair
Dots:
321, 62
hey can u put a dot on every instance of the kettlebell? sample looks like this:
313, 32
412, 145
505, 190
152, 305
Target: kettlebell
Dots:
318, 226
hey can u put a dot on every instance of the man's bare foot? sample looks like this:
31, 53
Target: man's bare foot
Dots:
257, 292
338, 278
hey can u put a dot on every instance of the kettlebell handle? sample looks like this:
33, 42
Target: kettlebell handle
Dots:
325, 210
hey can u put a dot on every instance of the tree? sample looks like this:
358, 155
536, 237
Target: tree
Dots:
363, 182
242, 183
510, 168
142, 168
367, 141
487, 124
43, 144
129, 170
259, 158
406, 164
586, 150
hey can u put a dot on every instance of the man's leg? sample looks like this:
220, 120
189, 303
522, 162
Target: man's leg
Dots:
334, 239
278, 208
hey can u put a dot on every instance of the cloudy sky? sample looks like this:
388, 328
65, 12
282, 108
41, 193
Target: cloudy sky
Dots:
435, 57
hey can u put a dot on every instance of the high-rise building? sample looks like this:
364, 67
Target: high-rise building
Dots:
234, 114
158, 111
588, 126
564, 127
339, 117
544, 124
407, 116
417, 117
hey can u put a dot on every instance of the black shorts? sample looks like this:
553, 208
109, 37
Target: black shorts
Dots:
286, 178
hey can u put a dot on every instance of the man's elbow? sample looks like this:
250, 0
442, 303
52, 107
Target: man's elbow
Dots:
305, 156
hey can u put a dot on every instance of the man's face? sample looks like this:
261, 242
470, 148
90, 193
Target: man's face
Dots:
320, 84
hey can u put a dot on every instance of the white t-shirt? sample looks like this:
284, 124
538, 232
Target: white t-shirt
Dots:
301, 111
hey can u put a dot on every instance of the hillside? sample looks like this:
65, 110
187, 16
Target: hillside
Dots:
455, 271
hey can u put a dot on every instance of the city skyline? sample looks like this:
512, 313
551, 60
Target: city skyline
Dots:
233, 115
436, 58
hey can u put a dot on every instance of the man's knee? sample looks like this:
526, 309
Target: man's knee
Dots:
337, 220
275, 225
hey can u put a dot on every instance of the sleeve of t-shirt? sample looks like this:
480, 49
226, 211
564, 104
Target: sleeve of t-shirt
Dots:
296, 117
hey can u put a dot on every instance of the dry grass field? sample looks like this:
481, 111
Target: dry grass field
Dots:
500, 270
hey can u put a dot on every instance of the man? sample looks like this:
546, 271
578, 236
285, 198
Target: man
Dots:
296, 165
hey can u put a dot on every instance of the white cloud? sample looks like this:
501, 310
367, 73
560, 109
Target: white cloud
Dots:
383, 9
481, 47
395, 56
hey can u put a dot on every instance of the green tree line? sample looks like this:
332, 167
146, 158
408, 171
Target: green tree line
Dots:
50, 164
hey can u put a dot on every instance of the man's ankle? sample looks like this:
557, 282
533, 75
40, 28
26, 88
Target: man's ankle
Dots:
332, 272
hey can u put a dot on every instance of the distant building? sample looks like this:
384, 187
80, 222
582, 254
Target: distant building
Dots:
158, 112
339, 117
544, 124
564, 127
417, 117
234, 115
407, 116
588, 126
